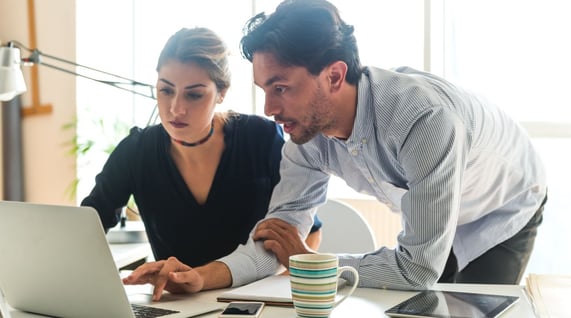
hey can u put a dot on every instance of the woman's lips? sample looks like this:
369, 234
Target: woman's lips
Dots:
177, 124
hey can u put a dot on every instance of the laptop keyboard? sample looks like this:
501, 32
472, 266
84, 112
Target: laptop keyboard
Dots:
141, 311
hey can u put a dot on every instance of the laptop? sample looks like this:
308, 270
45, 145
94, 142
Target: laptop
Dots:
55, 261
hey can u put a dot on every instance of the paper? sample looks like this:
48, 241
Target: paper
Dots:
273, 290
549, 294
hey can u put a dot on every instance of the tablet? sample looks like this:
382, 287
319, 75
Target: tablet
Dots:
448, 304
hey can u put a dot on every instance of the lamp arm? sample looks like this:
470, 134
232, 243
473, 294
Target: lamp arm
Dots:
115, 84
37, 57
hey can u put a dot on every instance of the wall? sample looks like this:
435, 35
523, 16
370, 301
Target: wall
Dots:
48, 169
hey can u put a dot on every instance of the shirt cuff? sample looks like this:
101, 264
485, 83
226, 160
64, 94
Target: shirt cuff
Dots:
249, 263
349, 261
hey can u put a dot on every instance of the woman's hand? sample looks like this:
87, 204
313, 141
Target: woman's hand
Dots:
170, 275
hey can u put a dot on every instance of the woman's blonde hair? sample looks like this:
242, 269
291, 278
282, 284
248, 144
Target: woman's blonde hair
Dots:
203, 47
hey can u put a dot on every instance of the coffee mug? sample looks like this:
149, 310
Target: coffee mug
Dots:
313, 279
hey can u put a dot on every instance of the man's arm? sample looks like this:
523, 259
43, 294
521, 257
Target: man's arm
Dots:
302, 187
432, 156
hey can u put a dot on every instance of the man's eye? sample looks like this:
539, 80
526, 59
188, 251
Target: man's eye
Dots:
280, 89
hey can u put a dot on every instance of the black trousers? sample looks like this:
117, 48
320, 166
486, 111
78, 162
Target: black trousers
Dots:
505, 263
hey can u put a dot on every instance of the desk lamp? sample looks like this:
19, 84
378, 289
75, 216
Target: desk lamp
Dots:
12, 84
11, 77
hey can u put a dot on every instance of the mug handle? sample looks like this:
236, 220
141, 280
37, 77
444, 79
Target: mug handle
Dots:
356, 274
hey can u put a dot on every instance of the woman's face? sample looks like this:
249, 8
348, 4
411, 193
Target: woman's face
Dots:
186, 97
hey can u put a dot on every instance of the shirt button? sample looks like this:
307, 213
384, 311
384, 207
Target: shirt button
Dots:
364, 141
371, 180
354, 152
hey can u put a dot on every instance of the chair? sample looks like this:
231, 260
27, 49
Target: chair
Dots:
344, 230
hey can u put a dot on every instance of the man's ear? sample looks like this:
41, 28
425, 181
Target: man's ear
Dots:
336, 75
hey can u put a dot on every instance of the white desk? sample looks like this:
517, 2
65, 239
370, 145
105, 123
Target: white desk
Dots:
366, 302
126, 254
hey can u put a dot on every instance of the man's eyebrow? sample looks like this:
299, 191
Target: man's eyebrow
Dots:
272, 80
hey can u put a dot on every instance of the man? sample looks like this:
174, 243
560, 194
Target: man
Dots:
466, 179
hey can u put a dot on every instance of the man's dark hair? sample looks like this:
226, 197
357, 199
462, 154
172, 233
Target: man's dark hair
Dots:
307, 33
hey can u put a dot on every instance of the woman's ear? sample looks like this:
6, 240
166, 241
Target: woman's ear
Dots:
336, 73
221, 95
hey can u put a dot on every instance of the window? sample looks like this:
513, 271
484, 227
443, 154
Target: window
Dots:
516, 53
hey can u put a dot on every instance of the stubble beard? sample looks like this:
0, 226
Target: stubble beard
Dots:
318, 119
307, 133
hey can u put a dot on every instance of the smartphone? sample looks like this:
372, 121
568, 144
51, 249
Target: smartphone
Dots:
249, 309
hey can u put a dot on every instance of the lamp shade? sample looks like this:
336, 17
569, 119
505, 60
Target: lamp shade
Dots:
11, 78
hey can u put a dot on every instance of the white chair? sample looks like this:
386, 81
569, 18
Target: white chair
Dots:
344, 230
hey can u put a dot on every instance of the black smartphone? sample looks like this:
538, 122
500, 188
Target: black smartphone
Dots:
251, 309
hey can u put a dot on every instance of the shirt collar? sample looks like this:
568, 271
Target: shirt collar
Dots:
363, 124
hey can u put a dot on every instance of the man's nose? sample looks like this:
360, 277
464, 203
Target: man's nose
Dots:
270, 108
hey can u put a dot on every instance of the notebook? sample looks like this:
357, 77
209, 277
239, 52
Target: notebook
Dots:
272, 290
55, 261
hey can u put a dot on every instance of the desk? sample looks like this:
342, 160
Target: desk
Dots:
367, 302
127, 254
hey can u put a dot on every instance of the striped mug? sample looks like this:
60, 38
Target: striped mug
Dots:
313, 279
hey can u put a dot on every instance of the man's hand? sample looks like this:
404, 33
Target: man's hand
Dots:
170, 275
281, 238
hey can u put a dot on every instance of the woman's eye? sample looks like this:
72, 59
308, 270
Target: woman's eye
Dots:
165, 91
193, 96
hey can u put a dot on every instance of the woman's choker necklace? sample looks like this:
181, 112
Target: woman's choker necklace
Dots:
201, 141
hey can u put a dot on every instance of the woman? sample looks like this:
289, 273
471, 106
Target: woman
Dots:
201, 179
